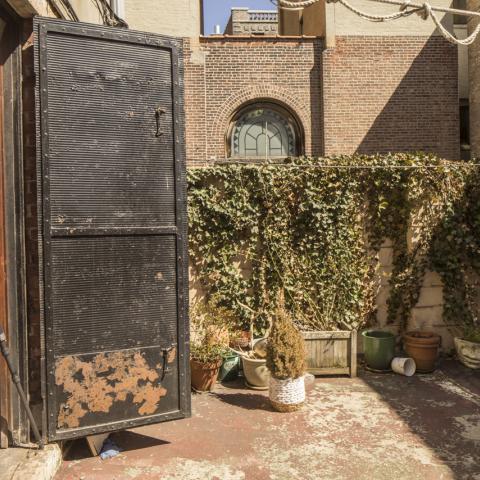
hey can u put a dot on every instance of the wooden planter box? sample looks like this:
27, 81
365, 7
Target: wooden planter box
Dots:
331, 353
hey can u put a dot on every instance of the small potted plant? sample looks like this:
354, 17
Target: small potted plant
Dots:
209, 344
468, 346
286, 362
205, 362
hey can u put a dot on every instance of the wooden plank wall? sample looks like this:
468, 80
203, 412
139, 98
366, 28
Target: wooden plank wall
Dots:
331, 353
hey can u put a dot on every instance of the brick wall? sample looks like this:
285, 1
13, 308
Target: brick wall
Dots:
391, 94
221, 74
367, 95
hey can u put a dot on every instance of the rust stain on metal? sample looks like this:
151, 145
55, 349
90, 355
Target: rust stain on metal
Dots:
172, 355
94, 386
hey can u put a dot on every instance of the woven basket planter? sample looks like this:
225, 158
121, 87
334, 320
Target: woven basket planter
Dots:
287, 395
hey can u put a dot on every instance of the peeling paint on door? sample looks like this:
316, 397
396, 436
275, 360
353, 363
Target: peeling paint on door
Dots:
94, 386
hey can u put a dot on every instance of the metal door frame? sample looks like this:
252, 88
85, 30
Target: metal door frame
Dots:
41, 28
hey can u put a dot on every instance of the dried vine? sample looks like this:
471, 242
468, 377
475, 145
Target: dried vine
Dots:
314, 227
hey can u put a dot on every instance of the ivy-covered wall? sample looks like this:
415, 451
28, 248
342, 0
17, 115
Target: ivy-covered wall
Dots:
357, 241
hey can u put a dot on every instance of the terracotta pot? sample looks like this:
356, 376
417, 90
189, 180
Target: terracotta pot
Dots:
241, 339
468, 352
204, 375
423, 347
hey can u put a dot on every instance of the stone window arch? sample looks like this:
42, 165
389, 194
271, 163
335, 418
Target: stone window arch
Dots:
263, 130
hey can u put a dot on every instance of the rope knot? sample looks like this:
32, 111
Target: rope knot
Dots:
426, 10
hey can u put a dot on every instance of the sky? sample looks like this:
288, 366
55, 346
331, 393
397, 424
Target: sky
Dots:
218, 11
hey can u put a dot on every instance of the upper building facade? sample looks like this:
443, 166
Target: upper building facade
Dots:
327, 83
252, 22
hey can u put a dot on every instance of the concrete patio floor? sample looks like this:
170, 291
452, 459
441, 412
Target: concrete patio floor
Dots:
376, 426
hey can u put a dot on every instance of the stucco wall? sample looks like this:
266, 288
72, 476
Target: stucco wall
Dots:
348, 23
335, 19
180, 18
86, 11
29, 8
427, 313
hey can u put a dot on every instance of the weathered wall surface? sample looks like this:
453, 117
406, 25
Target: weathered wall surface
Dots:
31, 221
86, 11
474, 82
335, 19
178, 18
222, 74
427, 314
29, 8
391, 94
348, 23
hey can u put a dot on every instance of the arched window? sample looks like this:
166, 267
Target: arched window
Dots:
264, 131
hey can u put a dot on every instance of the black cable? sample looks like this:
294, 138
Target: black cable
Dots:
18, 385
109, 17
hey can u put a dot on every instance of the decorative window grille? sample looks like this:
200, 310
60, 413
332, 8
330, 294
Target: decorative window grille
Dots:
263, 131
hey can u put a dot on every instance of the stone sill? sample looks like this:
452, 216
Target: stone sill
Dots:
215, 37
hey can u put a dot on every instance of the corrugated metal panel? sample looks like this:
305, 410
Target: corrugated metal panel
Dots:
113, 228
108, 169
113, 293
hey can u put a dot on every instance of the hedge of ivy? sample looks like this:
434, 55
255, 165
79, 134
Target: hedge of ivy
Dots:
314, 227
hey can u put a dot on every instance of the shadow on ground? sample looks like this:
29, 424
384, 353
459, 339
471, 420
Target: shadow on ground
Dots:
248, 401
442, 409
127, 440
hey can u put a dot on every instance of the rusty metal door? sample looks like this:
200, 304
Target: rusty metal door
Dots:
112, 208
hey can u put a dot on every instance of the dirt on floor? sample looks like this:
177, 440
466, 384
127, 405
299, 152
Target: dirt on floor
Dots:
376, 426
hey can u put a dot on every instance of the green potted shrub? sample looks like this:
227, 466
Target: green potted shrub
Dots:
467, 346
286, 362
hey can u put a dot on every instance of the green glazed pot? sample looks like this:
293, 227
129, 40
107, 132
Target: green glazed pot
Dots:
379, 349
230, 367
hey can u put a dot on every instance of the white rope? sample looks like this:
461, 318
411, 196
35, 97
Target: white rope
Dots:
446, 34
295, 5
406, 9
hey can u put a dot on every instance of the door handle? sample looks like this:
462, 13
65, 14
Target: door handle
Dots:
159, 111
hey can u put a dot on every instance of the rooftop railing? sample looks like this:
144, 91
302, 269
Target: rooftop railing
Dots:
262, 16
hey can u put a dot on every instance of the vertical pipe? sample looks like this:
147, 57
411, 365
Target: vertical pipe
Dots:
118, 6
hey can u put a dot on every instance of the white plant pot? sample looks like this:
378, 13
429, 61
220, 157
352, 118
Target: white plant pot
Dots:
404, 366
256, 373
287, 395
468, 352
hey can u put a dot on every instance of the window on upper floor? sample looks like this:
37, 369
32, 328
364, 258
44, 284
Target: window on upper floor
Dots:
263, 130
